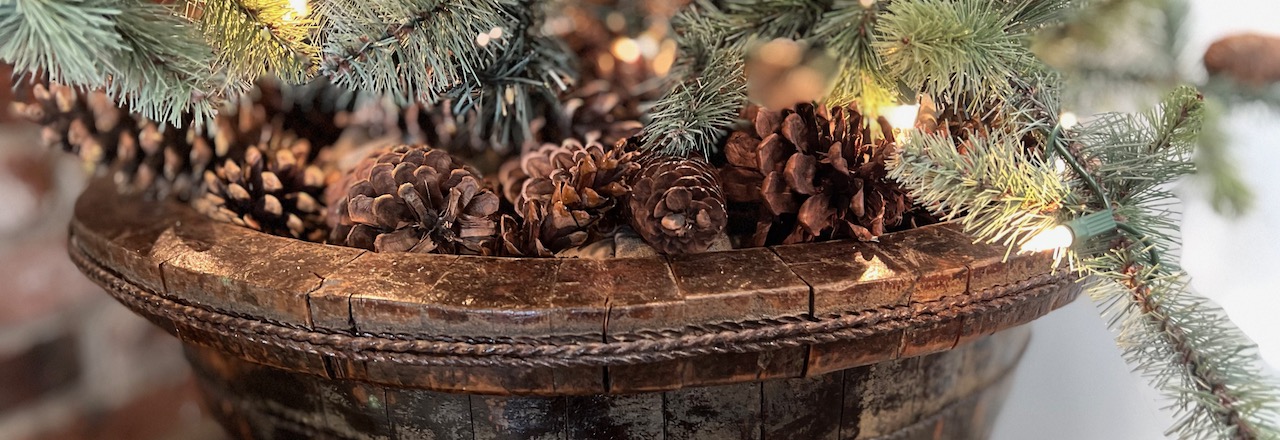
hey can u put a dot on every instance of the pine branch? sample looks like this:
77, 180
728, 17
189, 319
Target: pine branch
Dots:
956, 51
257, 37
695, 114
413, 50
518, 86
995, 191
63, 39
1185, 346
848, 30
773, 18
1229, 195
165, 71
140, 52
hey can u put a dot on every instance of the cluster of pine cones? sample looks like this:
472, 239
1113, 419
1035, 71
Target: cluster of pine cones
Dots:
269, 163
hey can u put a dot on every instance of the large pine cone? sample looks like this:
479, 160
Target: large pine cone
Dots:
416, 199
813, 174
564, 193
139, 154
676, 204
273, 189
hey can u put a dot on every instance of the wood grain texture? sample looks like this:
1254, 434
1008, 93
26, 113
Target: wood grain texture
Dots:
546, 327
946, 396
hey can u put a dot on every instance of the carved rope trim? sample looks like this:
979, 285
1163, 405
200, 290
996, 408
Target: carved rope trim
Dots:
637, 348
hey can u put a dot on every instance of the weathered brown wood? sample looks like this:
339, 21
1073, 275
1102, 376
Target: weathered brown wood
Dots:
742, 367
555, 327
724, 412
877, 402
803, 408
952, 395
417, 414
629, 417
478, 380
642, 297
836, 356
715, 288
354, 409
849, 276
518, 418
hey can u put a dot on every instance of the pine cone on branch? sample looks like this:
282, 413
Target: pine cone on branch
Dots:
416, 199
272, 189
564, 194
813, 174
676, 204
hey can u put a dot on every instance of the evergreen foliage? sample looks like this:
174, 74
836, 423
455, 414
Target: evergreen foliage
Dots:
140, 52
490, 60
253, 38
710, 89
1184, 345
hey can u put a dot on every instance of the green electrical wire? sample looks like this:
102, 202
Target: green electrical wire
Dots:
1152, 253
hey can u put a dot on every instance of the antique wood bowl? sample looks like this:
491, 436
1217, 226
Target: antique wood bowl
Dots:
289, 339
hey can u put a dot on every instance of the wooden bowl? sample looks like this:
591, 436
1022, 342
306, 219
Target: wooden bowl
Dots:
555, 330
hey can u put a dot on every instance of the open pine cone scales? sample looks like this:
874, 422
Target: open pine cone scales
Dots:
676, 204
273, 189
563, 193
813, 174
140, 155
417, 199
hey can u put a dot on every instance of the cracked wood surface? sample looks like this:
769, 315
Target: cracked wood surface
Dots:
168, 250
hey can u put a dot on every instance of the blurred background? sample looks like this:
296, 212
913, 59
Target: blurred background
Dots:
76, 365
1073, 383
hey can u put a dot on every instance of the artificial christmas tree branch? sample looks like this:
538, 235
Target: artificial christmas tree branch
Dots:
952, 49
253, 38
481, 56
1186, 346
711, 88
367, 44
993, 189
849, 29
140, 52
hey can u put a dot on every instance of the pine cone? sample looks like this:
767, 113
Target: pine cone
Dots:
676, 204
416, 199
140, 155
564, 193
160, 159
317, 111
273, 189
813, 175
1249, 58
598, 109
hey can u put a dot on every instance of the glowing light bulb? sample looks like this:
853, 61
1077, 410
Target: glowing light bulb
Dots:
300, 9
1080, 229
1068, 120
902, 117
1056, 237
626, 50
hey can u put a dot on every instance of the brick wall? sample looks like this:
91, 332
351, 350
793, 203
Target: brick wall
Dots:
74, 364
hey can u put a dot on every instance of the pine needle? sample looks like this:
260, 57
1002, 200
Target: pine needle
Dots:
255, 37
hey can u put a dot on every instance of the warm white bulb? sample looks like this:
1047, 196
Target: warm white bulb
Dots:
299, 7
1068, 120
902, 117
626, 50
1055, 238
